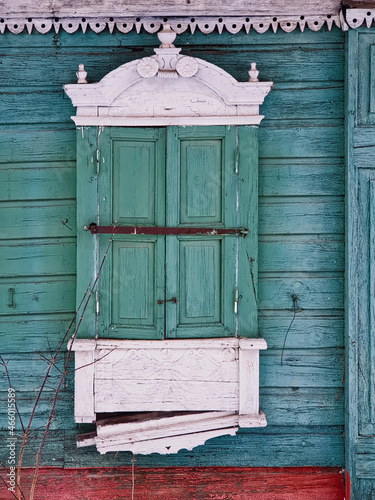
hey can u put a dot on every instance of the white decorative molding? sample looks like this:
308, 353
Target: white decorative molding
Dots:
217, 379
205, 24
195, 93
357, 17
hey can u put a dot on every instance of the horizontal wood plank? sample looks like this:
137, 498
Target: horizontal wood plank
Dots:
301, 177
302, 406
53, 295
63, 417
318, 329
38, 257
37, 181
168, 7
38, 220
52, 453
298, 253
34, 106
269, 447
39, 332
313, 368
293, 65
313, 292
301, 141
27, 371
301, 215
25, 145
186, 483
304, 101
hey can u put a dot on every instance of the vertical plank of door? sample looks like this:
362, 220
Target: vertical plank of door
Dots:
247, 317
172, 208
86, 213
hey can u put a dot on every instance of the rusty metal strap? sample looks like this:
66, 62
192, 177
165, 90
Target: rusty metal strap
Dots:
202, 231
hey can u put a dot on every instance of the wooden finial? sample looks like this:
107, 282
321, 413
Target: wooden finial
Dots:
81, 74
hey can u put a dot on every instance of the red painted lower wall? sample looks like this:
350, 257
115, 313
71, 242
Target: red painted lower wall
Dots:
183, 483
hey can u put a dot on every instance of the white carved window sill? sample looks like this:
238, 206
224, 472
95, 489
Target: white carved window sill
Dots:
192, 390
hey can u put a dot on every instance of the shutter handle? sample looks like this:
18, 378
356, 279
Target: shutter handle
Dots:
173, 299
11, 302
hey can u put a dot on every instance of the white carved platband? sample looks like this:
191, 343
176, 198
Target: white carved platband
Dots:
168, 89
170, 375
206, 24
215, 380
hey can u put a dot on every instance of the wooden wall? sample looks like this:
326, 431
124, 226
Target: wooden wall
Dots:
301, 240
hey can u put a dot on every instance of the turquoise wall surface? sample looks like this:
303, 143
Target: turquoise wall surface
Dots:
301, 236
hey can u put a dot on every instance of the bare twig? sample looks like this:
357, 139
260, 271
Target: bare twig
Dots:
65, 372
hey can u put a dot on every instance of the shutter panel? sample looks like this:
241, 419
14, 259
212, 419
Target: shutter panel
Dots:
131, 192
200, 270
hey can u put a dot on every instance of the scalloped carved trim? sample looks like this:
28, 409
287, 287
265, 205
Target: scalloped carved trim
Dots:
357, 17
206, 25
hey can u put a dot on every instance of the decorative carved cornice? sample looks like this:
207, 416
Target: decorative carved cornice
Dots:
205, 24
168, 89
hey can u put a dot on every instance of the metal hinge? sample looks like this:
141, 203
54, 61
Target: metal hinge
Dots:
97, 302
236, 159
235, 300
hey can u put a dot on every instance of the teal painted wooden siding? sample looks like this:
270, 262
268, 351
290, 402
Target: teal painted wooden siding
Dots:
301, 232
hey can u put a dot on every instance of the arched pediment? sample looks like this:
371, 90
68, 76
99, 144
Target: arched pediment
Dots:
168, 89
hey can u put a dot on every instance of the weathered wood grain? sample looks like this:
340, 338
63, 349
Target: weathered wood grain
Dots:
315, 368
301, 177
39, 257
32, 105
313, 292
63, 418
168, 8
292, 100
296, 64
186, 483
304, 140
52, 453
25, 145
312, 329
285, 446
301, 215
41, 181
303, 406
29, 377
298, 253
39, 332
38, 219
302, 158
303, 100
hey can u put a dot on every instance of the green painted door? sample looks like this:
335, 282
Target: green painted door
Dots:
174, 286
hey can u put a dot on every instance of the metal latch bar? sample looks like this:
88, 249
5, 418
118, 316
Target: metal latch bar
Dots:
203, 231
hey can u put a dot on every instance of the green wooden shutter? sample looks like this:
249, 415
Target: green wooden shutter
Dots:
131, 192
176, 177
200, 270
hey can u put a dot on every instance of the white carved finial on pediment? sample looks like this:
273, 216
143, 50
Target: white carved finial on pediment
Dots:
81, 74
167, 63
253, 73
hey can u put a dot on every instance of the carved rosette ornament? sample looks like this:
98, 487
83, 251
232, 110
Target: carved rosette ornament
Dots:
187, 66
147, 67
